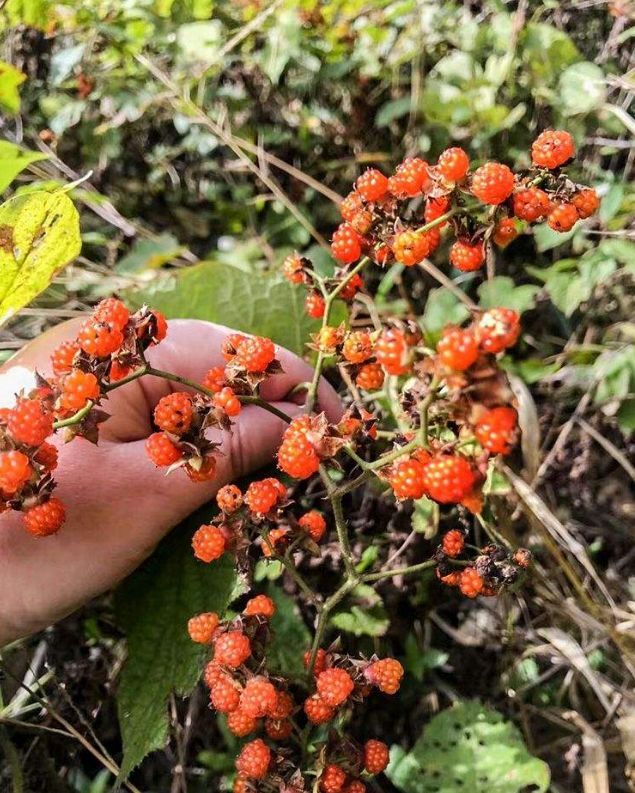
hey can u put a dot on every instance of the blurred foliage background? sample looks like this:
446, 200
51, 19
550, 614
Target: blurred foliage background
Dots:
212, 138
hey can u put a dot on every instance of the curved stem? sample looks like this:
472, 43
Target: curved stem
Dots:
415, 568
75, 418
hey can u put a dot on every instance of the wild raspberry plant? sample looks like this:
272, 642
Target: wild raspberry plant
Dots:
419, 422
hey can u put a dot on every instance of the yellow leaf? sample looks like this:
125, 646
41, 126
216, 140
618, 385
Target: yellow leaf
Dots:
39, 235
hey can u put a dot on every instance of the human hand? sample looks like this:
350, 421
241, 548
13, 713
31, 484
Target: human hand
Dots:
118, 504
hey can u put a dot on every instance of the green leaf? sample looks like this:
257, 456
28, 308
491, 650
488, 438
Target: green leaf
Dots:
153, 606
442, 308
39, 234
10, 79
582, 88
467, 747
32, 13
282, 44
500, 291
626, 416
546, 238
611, 203
392, 110
425, 517
290, 636
245, 299
149, 254
199, 41
13, 160
365, 617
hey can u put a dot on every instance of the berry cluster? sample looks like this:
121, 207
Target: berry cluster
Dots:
109, 345
424, 419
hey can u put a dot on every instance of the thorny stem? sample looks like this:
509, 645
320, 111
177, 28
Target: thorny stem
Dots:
415, 568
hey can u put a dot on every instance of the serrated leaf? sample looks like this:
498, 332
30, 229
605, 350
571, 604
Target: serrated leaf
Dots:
13, 160
153, 606
290, 636
468, 747
39, 235
245, 299
501, 291
10, 79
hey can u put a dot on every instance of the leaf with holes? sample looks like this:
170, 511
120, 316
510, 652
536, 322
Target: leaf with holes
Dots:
39, 235
468, 748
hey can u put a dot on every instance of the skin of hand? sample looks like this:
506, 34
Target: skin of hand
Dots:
118, 505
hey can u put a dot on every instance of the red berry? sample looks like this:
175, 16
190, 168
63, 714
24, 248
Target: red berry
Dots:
209, 543
411, 178
225, 694
284, 706
160, 330
505, 231
262, 496
453, 542
448, 478
522, 557
370, 377
230, 344
278, 729
314, 305
78, 387
433, 237
334, 686
552, 148
254, 759
46, 456
531, 204
212, 674
202, 627
240, 723
260, 606
385, 674
492, 183
255, 353
451, 579
276, 541
391, 351
321, 659
466, 255
174, 412
351, 287
562, 217
496, 430
241, 784
296, 455
232, 649
314, 524
328, 338
227, 401
457, 348
214, 379
406, 479
201, 469
372, 185
362, 222
355, 786
351, 205
470, 582
161, 450
99, 339
29, 423
258, 697
317, 711
46, 518
357, 347
229, 499
15, 471
113, 312
586, 202
346, 246
293, 269
453, 164
63, 356
376, 756
411, 247
333, 779
435, 207
497, 329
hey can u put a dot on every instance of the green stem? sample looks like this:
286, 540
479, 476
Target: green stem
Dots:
347, 586
415, 568
340, 522
291, 570
75, 418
